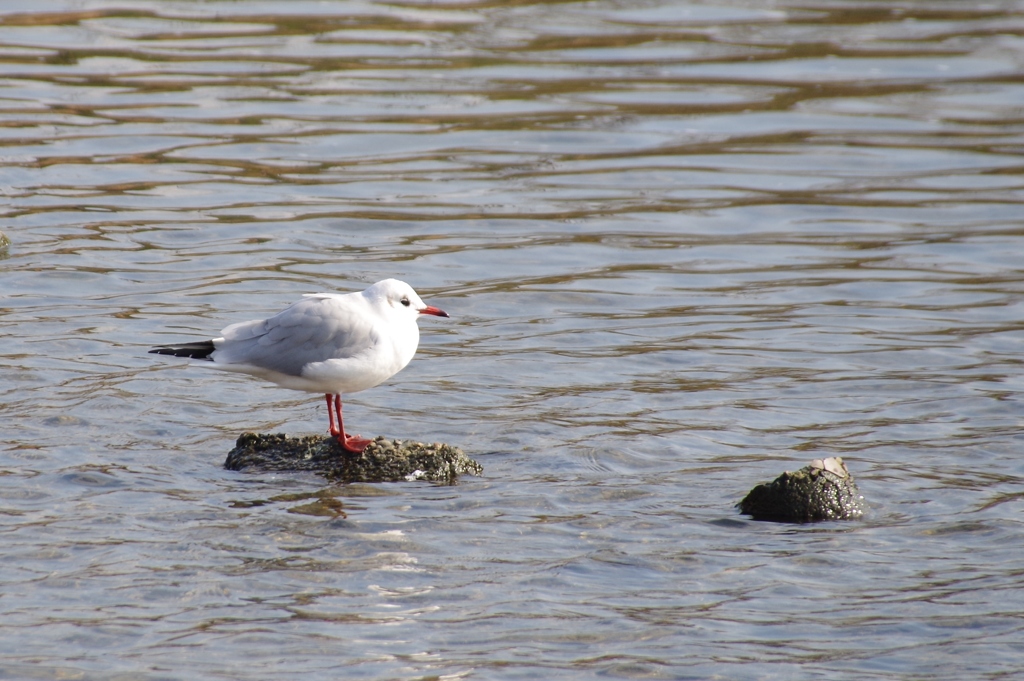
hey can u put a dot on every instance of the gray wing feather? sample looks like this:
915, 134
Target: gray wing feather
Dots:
314, 329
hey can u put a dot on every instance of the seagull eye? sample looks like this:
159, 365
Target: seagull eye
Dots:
405, 301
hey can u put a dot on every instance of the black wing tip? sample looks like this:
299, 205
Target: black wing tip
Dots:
200, 350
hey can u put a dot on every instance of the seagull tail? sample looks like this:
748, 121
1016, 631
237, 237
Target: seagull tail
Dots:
196, 350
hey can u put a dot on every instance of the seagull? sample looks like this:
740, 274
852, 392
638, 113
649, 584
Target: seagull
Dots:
330, 343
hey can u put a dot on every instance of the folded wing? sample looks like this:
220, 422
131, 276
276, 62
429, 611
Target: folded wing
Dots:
315, 329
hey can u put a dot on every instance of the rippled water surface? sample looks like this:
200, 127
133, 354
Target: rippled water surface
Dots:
685, 246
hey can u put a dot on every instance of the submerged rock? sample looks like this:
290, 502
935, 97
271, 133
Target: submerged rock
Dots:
823, 490
382, 461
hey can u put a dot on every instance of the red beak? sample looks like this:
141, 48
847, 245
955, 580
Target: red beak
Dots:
436, 311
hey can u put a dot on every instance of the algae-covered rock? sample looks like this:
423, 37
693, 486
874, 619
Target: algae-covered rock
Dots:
383, 460
823, 490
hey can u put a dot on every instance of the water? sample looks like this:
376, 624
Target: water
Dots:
685, 247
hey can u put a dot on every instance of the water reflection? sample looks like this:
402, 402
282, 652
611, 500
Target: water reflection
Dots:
686, 247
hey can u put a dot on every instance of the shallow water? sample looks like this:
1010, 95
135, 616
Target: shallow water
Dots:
685, 246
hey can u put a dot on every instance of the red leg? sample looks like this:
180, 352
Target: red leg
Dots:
350, 443
332, 429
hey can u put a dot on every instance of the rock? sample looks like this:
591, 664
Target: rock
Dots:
823, 490
382, 461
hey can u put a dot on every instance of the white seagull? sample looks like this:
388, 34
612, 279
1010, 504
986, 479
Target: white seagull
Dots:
330, 343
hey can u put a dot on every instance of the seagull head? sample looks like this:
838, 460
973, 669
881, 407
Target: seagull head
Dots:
398, 298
